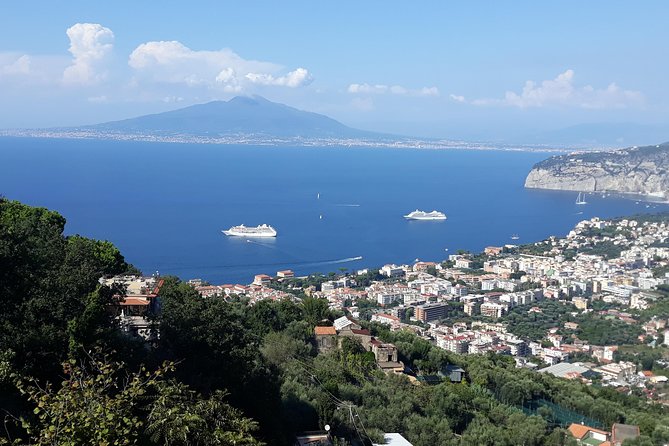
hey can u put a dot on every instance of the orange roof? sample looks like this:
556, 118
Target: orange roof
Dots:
579, 430
133, 301
325, 331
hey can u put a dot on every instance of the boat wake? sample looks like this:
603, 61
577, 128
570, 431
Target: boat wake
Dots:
266, 245
348, 205
346, 260
259, 265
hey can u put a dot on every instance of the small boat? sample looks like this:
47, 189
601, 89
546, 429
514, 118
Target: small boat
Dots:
581, 198
515, 237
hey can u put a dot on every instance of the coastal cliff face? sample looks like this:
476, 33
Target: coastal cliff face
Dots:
637, 170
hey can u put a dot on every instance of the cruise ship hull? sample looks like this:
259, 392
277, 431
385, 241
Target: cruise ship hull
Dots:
253, 231
248, 234
424, 218
422, 215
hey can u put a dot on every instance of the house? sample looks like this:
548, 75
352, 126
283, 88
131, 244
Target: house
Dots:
285, 274
392, 271
620, 371
386, 356
208, 290
423, 266
262, 279
464, 263
393, 439
387, 319
364, 336
326, 338
142, 300
589, 435
313, 438
571, 325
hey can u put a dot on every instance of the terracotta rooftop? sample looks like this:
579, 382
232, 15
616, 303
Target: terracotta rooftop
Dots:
134, 301
325, 331
579, 430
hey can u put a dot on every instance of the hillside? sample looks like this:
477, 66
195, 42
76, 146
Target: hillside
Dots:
239, 116
636, 170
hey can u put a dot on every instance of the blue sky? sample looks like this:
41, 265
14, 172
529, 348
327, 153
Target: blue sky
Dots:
482, 70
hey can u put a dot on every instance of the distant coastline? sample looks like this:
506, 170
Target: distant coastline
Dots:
265, 140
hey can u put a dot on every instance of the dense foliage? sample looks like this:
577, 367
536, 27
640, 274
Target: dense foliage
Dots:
593, 327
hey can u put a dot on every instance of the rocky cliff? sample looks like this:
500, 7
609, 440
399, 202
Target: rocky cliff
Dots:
636, 170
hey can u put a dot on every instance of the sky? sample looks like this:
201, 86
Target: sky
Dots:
459, 70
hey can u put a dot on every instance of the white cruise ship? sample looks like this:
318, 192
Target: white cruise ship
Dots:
422, 215
258, 231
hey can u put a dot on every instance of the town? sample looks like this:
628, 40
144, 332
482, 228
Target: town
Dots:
591, 306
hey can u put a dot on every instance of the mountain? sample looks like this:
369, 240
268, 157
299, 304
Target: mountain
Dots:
239, 116
635, 170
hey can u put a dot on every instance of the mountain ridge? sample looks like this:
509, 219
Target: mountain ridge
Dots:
249, 115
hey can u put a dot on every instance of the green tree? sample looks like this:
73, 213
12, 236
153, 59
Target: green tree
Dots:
179, 416
95, 404
315, 310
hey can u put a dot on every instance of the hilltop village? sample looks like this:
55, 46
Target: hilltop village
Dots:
591, 306
585, 306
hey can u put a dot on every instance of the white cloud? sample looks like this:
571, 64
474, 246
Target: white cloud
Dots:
22, 70
366, 89
90, 44
20, 66
562, 91
457, 98
391, 89
297, 78
429, 91
173, 62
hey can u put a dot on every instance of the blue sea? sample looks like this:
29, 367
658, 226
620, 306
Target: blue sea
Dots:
164, 205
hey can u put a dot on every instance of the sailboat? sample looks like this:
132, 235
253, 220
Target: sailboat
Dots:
581, 198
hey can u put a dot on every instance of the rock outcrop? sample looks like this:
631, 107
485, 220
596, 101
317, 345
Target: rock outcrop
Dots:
636, 170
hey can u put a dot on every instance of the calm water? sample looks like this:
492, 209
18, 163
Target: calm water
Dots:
164, 205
